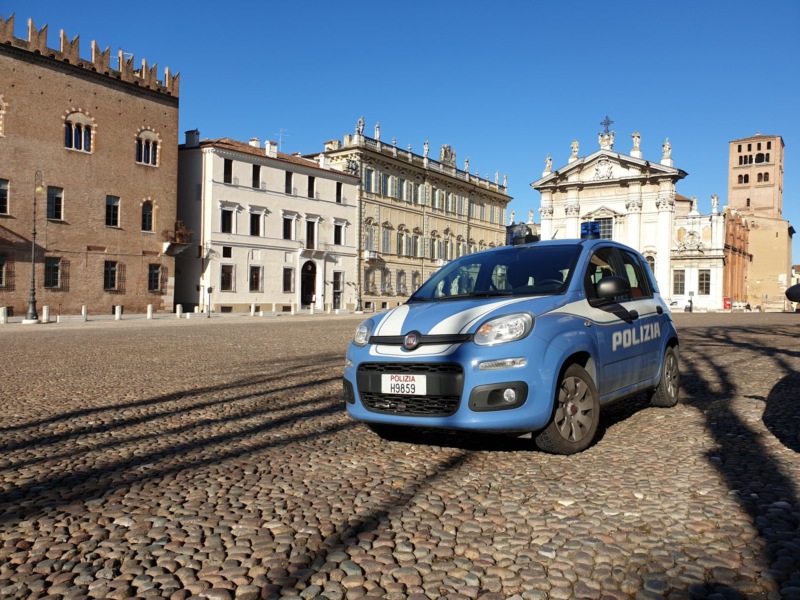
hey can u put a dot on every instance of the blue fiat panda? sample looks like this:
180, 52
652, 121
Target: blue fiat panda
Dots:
534, 338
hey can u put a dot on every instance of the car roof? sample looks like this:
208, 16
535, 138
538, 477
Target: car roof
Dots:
588, 243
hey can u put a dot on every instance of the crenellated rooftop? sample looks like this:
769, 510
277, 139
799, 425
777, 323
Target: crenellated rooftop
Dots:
145, 76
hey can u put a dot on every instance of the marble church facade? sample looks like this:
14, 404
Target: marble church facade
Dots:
634, 201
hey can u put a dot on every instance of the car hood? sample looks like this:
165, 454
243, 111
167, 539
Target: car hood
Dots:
457, 316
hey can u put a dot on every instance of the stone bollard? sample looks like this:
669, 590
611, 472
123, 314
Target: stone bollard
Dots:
3, 315
84, 312
149, 311
46, 314
252, 309
291, 308
118, 312
311, 309
179, 310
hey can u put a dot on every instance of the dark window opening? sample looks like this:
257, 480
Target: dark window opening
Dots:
154, 278
147, 216
227, 176
255, 224
112, 211
226, 278
3, 196
288, 279
288, 183
255, 279
226, 221
55, 203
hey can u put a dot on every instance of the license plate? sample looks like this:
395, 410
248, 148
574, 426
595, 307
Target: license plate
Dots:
407, 385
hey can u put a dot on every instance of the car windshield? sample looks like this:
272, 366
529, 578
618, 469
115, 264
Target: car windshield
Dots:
510, 271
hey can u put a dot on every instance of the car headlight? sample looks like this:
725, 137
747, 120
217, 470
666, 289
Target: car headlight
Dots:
508, 328
363, 332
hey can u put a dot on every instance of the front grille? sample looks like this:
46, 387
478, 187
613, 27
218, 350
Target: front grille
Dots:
412, 406
445, 384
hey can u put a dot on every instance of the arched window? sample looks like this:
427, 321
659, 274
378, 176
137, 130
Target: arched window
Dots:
147, 148
147, 216
747, 178
748, 202
759, 158
766, 177
78, 132
741, 179
760, 177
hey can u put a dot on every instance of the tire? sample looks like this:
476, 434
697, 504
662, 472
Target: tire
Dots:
576, 414
665, 395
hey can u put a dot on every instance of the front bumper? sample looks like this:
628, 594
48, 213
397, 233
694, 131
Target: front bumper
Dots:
459, 395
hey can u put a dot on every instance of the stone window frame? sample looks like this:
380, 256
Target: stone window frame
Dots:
147, 143
3, 109
76, 120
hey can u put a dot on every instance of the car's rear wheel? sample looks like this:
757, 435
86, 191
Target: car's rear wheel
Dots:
576, 414
666, 393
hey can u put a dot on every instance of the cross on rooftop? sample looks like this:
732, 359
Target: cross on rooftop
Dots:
606, 123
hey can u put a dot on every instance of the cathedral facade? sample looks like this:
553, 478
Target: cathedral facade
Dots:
633, 200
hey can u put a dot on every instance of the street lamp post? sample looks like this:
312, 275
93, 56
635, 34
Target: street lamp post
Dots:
33, 316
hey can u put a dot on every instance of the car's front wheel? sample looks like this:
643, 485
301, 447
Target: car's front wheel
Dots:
666, 393
576, 414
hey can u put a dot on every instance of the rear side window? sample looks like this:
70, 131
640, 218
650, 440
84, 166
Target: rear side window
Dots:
636, 275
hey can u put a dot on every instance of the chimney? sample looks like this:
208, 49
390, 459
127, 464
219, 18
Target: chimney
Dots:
271, 148
255, 142
193, 138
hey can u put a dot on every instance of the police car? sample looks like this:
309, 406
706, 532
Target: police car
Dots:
533, 338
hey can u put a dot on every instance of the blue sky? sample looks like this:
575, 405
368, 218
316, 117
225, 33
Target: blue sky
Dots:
505, 82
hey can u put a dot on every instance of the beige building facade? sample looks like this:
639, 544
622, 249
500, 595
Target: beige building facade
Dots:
273, 232
94, 150
415, 213
755, 189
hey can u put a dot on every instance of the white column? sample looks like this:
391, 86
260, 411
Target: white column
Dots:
666, 217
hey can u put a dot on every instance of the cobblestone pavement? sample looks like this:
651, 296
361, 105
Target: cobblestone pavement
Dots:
213, 458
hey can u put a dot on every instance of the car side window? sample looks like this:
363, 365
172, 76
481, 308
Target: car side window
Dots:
600, 265
634, 272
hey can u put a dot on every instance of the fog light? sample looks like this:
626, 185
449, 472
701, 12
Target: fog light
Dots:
509, 396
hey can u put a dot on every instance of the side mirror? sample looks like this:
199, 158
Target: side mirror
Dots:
611, 287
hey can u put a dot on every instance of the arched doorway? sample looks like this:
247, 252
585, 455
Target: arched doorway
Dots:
308, 283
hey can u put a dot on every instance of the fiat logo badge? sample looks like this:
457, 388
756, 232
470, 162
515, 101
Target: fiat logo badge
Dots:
411, 340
